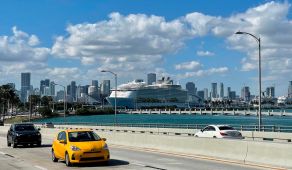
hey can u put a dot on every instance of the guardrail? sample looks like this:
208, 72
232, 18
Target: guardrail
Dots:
264, 128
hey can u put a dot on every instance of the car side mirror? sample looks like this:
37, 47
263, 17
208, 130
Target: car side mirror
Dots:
104, 139
63, 141
201, 130
39, 129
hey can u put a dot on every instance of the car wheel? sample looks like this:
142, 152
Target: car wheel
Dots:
214, 137
54, 159
13, 144
67, 160
8, 143
196, 136
39, 144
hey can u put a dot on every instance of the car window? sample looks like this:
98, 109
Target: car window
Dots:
209, 128
83, 136
61, 136
24, 128
226, 128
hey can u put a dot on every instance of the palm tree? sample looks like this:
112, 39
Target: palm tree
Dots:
7, 97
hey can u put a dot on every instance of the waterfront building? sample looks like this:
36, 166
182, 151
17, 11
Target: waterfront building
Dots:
25, 86
270, 92
94, 92
290, 90
151, 78
245, 93
221, 90
191, 88
105, 87
214, 90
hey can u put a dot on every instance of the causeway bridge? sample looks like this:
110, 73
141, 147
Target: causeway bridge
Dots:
207, 112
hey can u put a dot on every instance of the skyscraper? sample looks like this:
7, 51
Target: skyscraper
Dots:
290, 90
270, 92
105, 88
190, 86
43, 84
221, 90
206, 94
73, 90
25, 86
228, 92
245, 93
201, 94
151, 78
52, 89
94, 83
214, 90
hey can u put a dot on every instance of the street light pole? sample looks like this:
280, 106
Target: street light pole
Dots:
63, 99
116, 79
258, 39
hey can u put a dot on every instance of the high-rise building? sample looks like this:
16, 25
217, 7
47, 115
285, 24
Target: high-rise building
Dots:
232, 95
206, 94
270, 92
290, 90
190, 86
105, 88
52, 88
151, 78
94, 83
228, 92
93, 92
201, 94
73, 90
214, 90
43, 84
245, 93
221, 90
25, 86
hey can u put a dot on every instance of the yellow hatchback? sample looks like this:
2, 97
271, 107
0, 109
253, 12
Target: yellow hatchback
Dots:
79, 146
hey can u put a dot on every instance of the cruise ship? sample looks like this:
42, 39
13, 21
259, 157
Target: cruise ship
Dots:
137, 94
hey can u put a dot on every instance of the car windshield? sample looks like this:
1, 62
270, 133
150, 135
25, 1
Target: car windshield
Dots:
24, 128
226, 128
83, 136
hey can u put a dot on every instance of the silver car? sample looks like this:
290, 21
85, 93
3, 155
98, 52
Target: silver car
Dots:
219, 131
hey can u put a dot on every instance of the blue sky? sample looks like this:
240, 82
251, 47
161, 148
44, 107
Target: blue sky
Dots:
187, 40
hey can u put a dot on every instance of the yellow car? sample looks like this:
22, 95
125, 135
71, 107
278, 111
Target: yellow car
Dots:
79, 146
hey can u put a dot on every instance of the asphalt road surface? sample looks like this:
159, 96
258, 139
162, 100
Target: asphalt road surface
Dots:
39, 158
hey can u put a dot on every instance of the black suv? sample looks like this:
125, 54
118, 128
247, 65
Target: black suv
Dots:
23, 134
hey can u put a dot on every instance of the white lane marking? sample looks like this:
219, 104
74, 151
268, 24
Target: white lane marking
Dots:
2, 153
39, 167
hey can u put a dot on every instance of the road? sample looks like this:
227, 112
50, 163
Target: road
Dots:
39, 158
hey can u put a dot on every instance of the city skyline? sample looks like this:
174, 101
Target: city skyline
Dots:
194, 44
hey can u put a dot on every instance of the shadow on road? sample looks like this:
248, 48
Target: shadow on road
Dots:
111, 162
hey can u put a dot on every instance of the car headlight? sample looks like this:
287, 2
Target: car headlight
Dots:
38, 134
105, 147
75, 148
18, 134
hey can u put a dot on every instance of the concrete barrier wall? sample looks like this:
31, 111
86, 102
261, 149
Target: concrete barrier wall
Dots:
244, 151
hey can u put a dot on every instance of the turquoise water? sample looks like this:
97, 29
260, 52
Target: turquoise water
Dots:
175, 119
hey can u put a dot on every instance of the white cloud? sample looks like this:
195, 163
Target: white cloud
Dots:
201, 73
205, 53
193, 65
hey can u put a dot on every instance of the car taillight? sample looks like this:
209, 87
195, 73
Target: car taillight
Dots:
223, 134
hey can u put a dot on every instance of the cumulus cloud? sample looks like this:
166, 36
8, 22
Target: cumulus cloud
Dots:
126, 42
192, 65
207, 72
205, 53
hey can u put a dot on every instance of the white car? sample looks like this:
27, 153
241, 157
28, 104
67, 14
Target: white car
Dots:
219, 131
